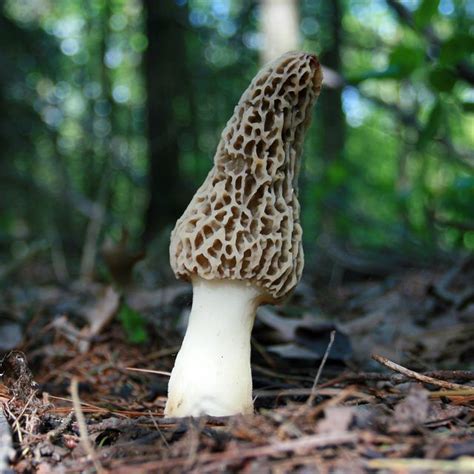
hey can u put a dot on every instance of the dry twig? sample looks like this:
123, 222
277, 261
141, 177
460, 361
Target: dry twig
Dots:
463, 464
466, 392
149, 371
363, 377
81, 421
311, 398
417, 376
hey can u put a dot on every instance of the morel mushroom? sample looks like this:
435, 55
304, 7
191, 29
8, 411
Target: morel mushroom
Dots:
239, 240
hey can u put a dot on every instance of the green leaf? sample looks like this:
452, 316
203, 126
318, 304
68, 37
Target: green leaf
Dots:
442, 79
337, 173
425, 12
468, 107
432, 126
405, 59
392, 72
133, 324
458, 198
456, 48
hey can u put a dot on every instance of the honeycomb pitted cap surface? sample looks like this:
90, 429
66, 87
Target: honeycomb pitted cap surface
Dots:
243, 222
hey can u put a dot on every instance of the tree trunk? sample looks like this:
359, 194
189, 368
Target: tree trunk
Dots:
280, 27
332, 122
330, 102
165, 70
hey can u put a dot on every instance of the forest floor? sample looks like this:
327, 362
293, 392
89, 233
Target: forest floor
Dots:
391, 392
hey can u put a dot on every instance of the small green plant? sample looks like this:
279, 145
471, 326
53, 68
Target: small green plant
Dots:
133, 324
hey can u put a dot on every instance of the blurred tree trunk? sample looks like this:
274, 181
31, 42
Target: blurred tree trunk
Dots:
101, 166
279, 26
332, 122
330, 102
165, 70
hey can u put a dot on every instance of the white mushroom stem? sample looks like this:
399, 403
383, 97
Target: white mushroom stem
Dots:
212, 374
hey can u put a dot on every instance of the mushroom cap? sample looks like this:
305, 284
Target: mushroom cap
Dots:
243, 222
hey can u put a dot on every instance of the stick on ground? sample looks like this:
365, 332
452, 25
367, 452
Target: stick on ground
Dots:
311, 398
81, 421
417, 376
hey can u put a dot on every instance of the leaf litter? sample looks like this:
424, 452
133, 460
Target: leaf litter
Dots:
408, 409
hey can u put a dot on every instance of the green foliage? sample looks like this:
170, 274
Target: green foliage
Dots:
458, 199
442, 79
425, 12
457, 48
404, 59
133, 324
73, 118
433, 124
468, 107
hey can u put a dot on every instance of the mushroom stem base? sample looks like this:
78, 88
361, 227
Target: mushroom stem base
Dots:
212, 374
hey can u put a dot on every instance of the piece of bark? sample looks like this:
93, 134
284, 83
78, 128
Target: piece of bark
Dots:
6, 446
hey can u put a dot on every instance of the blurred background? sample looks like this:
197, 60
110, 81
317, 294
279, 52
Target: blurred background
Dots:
111, 110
